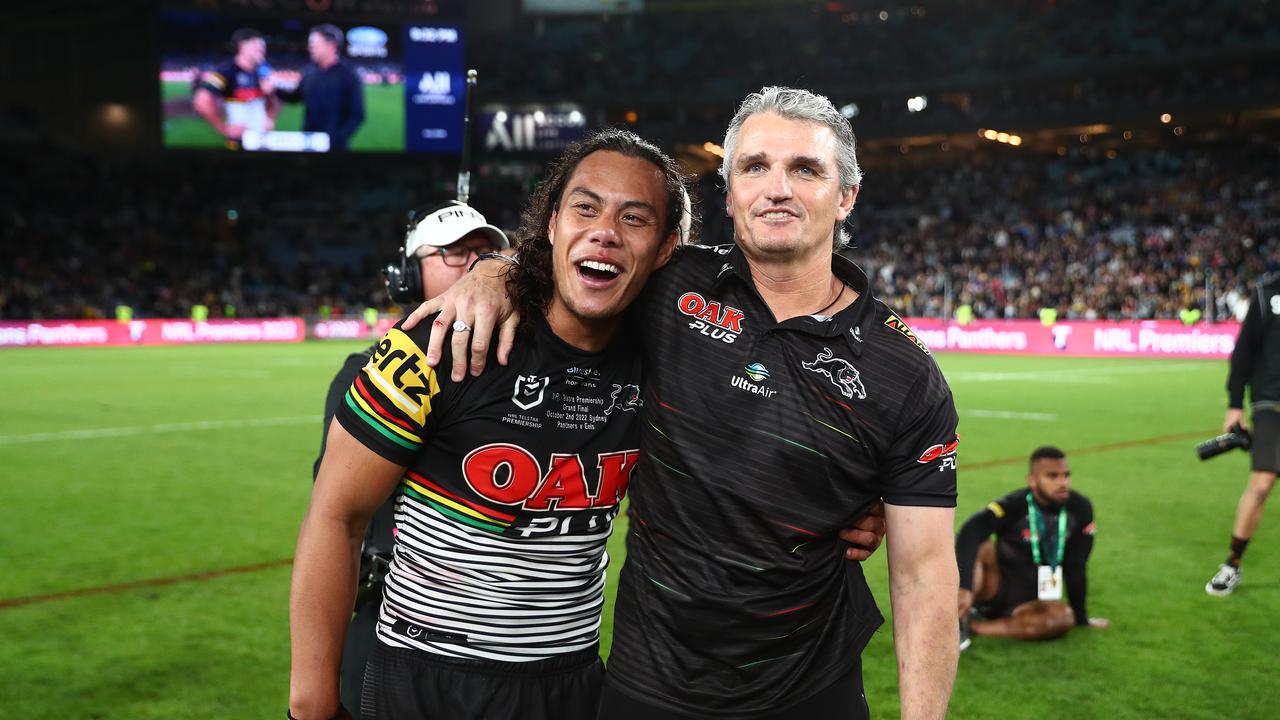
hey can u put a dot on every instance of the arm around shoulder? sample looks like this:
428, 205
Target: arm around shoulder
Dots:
353, 481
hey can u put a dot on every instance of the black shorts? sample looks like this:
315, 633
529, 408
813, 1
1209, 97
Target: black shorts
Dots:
1266, 441
842, 700
401, 683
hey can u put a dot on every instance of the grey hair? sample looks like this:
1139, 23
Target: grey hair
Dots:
797, 104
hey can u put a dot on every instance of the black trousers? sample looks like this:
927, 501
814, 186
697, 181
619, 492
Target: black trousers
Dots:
401, 684
842, 700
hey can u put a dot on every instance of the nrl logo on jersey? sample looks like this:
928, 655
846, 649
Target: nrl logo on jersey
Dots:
840, 372
529, 391
710, 318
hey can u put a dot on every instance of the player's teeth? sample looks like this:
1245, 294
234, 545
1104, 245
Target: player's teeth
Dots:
602, 267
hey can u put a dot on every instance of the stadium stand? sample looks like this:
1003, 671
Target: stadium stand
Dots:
1139, 225
1136, 236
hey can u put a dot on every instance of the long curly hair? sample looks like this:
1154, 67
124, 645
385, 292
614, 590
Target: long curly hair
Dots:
531, 282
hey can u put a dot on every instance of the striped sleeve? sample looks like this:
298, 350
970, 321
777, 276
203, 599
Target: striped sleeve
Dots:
389, 405
215, 81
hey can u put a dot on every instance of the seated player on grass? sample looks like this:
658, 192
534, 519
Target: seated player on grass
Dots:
1014, 586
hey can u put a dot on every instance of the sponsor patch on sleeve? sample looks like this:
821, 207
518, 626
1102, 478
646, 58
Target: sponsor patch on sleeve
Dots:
896, 323
1091, 528
996, 509
399, 370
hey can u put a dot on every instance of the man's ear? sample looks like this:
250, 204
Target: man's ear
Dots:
668, 247
551, 227
847, 200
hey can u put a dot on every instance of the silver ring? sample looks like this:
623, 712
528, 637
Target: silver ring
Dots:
461, 327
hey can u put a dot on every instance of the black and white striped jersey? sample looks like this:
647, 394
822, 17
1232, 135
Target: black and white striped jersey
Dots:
511, 484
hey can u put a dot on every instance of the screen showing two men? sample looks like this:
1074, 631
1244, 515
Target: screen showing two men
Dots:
255, 84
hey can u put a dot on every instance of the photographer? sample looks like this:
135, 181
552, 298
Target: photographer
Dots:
437, 252
1255, 363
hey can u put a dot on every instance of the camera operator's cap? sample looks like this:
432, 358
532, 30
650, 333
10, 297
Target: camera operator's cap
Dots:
447, 225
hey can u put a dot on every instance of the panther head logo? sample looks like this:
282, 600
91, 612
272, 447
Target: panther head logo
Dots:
625, 398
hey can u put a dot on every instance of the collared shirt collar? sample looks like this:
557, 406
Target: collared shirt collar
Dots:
853, 322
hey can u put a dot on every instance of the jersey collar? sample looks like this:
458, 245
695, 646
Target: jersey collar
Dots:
853, 323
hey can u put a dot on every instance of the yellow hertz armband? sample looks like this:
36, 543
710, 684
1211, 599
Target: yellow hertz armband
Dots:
399, 370
995, 508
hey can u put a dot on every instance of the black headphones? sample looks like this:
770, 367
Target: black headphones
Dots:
404, 276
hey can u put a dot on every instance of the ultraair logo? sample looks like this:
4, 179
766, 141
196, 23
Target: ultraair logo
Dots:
757, 373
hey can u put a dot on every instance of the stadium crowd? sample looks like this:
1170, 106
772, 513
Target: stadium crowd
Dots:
1137, 236
273, 238
1006, 232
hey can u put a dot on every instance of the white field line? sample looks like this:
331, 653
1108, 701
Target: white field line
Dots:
1008, 415
115, 432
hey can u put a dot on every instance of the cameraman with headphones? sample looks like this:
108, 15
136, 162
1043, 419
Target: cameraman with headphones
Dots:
437, 251
1255, 362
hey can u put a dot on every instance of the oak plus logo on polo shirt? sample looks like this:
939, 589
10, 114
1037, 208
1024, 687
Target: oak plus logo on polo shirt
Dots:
945, 455
755, 375
840, 372
710, 318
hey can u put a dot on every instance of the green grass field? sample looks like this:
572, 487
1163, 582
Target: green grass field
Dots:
136, 464
382, 130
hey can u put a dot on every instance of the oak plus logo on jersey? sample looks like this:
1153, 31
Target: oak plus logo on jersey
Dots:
399, 370
945, 455
710, 318
529, 391
756, 374
840, 372
510, 475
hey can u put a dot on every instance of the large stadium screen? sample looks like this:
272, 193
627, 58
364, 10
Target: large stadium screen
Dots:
250, 83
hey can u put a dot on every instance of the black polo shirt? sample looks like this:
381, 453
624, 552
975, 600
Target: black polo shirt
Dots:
759, 441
